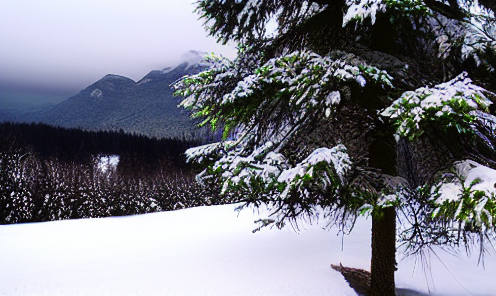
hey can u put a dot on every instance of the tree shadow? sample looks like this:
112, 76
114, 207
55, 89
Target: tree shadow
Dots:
359, 280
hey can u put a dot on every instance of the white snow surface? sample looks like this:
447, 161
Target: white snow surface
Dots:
107, 162
208, 251
96, 93
470, 171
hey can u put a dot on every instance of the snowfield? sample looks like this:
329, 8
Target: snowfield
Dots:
209, 251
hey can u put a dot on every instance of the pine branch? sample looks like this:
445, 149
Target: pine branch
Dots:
490, 4
452, 11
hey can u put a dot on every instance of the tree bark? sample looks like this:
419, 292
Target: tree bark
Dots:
382, 155
383, 263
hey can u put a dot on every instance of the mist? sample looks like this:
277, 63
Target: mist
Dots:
52, 49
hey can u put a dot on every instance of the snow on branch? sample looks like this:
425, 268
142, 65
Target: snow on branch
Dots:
196, 89
468, 194
292, 15
474, 35
337, 157
301, 82
487, 120
244, 20
472, 30
324, 166
362, 10
207, 152
453, 103
262, 165
306, 78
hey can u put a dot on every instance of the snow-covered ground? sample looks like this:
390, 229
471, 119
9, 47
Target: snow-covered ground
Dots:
207, 251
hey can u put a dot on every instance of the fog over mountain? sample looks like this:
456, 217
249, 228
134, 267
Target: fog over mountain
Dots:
52, 49
115, 102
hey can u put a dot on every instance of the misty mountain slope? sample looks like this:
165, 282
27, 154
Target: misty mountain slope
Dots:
28, 114
115, 102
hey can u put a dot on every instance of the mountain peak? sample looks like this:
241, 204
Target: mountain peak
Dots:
192, 58
115, 102
115, 77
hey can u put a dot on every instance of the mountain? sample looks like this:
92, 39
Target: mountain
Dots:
146, 107
115, 102
23, 114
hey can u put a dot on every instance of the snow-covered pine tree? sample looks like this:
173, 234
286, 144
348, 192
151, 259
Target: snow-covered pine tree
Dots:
354, 107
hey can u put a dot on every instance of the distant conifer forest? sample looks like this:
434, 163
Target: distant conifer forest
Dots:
50, 173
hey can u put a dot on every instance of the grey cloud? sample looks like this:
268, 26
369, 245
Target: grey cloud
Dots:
66, 45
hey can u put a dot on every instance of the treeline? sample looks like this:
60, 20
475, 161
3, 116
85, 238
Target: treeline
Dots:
51, 173
75, 144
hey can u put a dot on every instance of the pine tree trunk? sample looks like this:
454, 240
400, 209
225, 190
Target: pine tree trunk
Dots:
382, 155
383, 264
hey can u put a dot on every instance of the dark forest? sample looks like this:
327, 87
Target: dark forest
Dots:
51, 173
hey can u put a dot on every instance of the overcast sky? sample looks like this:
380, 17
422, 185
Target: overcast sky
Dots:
58, 47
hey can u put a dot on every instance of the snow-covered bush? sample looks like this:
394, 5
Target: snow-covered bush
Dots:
33, 189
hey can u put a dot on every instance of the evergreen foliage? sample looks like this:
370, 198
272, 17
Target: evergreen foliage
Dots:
355, 106
80, 145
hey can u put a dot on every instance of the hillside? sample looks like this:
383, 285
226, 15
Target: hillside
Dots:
114, 103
